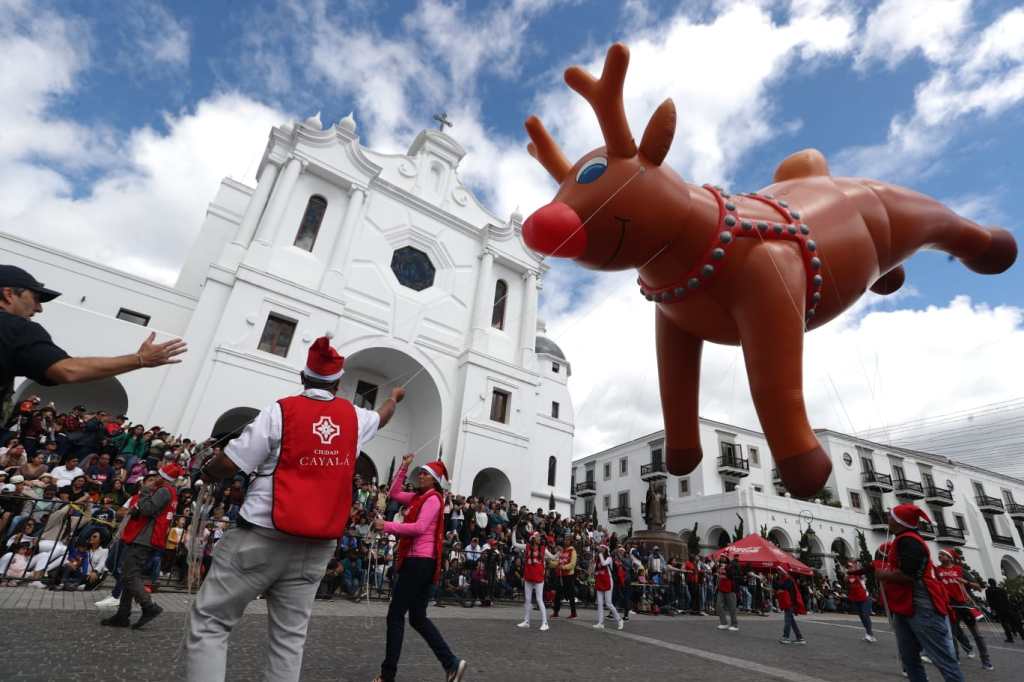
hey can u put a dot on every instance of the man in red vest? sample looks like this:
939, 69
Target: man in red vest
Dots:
151, 511
960, 608
301, 452
916, 599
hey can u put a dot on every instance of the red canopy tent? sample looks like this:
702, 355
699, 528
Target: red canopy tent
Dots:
756, 552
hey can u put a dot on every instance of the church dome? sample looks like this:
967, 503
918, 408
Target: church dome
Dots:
548, 347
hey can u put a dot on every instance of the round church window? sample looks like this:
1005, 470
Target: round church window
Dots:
847, 459
413, 268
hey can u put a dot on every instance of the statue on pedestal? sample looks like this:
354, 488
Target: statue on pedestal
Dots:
657, 506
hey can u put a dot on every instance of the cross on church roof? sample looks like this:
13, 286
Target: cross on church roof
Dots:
442, 121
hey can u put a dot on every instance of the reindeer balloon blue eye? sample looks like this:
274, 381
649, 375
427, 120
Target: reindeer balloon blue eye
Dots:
592, 170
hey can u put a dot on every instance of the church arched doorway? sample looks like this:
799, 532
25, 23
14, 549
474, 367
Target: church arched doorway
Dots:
107, 395
1010, 567
842, 551
230, 424
492, 484
366, 469
780, 538
370, 375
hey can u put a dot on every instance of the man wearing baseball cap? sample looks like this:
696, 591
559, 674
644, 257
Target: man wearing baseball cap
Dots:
26, 349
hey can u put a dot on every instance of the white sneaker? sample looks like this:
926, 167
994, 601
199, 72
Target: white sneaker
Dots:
869, 638
971, 654
925, 659
545, 627
37, 583
733, 628
524, 624
723, 627
108, 602
621, 624
599, 626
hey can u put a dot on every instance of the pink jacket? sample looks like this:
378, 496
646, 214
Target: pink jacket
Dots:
423, 529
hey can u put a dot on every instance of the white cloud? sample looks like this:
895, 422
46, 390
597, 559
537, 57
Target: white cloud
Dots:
898, 28
723, 94
156, 38
984, 75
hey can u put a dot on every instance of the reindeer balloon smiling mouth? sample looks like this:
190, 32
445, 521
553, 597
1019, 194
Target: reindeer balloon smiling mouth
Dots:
755, 269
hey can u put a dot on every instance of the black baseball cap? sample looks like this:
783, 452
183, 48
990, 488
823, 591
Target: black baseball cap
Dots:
16, 278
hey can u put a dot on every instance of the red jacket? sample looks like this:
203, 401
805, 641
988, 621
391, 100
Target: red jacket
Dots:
313, 476
950, 577
855, 591
161, 520
533, 564
602, 576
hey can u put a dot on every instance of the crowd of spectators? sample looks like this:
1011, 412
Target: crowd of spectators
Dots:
63, 478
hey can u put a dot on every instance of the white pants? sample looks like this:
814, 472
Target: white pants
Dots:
605, 599
532, 588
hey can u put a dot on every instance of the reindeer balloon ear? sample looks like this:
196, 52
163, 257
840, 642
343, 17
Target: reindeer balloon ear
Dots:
659, 133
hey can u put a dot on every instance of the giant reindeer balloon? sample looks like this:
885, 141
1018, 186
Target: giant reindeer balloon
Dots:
755, 269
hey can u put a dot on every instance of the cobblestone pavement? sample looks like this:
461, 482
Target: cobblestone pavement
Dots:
55, 636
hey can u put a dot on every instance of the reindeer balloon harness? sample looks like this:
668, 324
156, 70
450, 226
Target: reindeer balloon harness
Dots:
755, 269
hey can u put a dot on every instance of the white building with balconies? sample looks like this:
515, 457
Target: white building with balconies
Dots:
421, 285
980, 511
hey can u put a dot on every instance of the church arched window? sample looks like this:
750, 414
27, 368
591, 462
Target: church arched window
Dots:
552, 468
498, 311
311, 220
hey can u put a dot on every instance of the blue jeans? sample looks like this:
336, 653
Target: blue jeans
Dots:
926, 630
790, 623
863, 610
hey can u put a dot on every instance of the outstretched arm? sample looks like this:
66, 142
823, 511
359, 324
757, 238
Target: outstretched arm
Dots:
387, 410
75, 370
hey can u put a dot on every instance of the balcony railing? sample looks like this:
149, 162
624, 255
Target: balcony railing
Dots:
938, 496
949, 534
992, 505
1016, 511
652, 471
776, 477
730, 465
876, 481
925, 529
908, 489
619, 514
586, 488
1002, 539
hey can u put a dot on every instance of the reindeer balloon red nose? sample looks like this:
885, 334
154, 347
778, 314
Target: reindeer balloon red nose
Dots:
757, 269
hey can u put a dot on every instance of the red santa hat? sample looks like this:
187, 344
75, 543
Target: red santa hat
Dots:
907, 515
323, 362
171, 472
947, 553
438, 471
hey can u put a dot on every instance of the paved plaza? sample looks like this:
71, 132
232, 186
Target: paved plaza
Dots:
55, 636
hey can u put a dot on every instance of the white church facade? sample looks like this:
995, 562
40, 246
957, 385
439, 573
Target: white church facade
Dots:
420, 284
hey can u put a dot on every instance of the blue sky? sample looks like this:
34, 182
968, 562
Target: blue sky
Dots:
119, 125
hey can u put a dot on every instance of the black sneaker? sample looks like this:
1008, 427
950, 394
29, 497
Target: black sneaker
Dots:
149, 614
455, 675
116, 622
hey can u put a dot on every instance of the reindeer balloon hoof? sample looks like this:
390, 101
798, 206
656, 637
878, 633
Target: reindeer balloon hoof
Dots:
756, 269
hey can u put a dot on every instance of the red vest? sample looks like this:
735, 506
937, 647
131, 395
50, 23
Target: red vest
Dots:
405, 542
950, 577
313, 477
602, 576
855, 591
162, 520
900, 596
724, 581
533, 564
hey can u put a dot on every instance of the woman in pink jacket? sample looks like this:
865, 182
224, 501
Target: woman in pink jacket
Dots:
418, 567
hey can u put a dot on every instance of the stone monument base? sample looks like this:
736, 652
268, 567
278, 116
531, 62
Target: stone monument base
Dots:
670, 544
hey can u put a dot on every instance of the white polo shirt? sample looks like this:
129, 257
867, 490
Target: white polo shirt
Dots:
259, 446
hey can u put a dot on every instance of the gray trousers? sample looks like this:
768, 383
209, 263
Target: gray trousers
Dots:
725, 603
246, 563
133, 572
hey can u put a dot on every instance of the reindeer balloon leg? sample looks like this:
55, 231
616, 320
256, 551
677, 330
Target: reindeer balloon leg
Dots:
757, 269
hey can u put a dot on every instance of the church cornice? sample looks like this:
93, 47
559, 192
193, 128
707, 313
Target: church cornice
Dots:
490, 362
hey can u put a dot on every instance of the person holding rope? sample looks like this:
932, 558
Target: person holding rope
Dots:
951, 574
916, 599
417, 566
301, 451
535, 556
150, 513
603, 588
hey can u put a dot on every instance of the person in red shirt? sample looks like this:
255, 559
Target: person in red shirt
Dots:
693, 585
787, 594
952, 577
725, 602
858, 597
